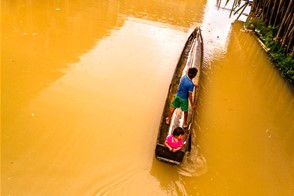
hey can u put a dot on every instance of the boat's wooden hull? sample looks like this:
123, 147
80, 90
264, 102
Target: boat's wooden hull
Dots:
192, 56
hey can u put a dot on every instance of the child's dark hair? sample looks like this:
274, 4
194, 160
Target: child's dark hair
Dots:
178, 131
192, 72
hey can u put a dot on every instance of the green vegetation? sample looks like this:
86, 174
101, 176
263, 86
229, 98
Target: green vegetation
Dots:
283, 61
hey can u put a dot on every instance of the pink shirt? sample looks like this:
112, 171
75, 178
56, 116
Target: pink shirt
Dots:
172, 143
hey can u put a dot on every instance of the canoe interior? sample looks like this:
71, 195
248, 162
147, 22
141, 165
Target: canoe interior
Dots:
191, 56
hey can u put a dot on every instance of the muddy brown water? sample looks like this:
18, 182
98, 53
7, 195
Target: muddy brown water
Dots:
83, 86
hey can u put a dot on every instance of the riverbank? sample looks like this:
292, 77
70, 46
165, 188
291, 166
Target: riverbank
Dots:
266, 36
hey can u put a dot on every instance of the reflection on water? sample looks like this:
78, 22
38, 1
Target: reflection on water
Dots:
245, 124
183, 14
84, 85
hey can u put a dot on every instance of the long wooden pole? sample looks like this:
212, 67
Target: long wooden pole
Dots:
282, 27
276, 13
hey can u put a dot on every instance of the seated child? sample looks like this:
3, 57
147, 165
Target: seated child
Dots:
174, 142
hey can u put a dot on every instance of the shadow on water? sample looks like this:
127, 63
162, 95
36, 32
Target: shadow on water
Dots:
42, 39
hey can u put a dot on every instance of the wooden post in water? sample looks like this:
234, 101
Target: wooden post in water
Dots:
275, 13
278, 14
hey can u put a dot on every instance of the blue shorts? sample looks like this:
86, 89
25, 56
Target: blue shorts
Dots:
181, 103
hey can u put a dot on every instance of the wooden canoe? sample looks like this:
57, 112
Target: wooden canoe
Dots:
191, 56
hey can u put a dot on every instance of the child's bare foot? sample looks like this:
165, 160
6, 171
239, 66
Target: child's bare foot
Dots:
185, 125
167, 121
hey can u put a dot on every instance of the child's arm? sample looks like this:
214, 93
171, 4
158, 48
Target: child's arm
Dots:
170, 148
177, 149
191, 100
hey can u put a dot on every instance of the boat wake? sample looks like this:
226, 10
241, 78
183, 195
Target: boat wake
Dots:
132, 181
194, 163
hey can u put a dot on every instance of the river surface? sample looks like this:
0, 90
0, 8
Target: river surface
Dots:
83, 87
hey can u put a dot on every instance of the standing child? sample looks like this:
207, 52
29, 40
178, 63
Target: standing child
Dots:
174, 142
184, 93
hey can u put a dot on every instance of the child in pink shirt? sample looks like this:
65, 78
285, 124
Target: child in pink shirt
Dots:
174, 142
